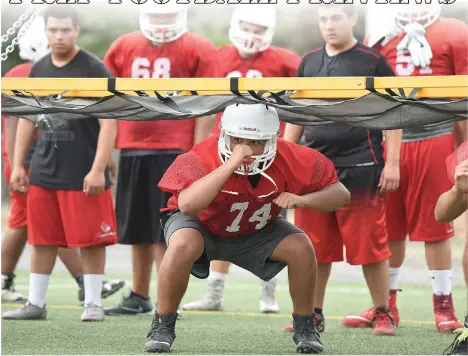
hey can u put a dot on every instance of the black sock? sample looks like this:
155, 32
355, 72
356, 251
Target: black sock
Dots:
318, 311
79, 280
382, 309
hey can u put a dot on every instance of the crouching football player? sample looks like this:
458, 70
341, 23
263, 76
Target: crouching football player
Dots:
227, 194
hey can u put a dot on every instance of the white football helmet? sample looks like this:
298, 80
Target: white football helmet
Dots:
257, 14
164, 32
33, 45
424, 14
253, 122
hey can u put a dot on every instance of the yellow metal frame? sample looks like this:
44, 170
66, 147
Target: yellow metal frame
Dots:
335, 87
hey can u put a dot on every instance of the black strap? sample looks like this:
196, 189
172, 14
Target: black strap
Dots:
111, 84
370, 84
234, 86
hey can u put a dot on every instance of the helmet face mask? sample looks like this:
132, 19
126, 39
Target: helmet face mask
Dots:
423, 14
163, 23
252, 31
253, 122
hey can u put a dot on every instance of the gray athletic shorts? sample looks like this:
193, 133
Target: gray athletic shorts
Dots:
249, 252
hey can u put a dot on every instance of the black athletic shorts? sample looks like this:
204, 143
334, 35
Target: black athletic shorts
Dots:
139, 200
249, 252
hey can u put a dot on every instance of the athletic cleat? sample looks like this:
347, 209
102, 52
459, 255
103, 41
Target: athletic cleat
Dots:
179, 313
27, 312
306, 337
444, 313
319, 324
9, 293
108, 288
161, 334
383, 323
365, 319
459, 346
132, 304
212, 301
92, 312
268, 303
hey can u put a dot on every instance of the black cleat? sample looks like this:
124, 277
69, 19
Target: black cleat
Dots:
132, 304
459, 346
162, 333
306, 337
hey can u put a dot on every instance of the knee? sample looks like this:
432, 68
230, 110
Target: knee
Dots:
300, 250
187, 244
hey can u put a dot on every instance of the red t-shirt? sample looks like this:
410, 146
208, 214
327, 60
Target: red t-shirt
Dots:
20, 71
296, 169
134, 56
273, 62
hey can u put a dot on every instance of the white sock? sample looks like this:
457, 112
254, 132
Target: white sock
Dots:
441, 281
217, 276
38, 286
394, 277
93, 288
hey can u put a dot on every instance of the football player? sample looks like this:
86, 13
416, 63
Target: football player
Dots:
70, 202
162, 48
227, 195
451, 205
421, 43
358, 157
250, 55
33, 45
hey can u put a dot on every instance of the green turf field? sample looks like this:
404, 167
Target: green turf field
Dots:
241, 329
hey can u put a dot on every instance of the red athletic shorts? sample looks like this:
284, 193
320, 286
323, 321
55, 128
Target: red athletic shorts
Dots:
70, 218
423, 178
359, 226
18, 207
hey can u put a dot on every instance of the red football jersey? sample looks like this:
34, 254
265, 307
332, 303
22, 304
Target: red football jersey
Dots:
134, 56
296, 169
448, 39
273, 62
455, 159
20, 71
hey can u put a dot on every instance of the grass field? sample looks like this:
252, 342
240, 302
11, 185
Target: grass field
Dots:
241, 329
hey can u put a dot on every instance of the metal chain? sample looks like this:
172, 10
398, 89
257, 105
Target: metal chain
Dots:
18, 23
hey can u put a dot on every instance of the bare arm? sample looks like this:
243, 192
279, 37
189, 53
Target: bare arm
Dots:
203, 126
106, 144
328, 199
23, 141
11, 126
200, 194
293, 133
451, 205
393, 146
460, 131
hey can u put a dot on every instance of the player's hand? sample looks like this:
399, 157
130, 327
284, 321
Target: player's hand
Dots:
390, 178
287, 200
112, 171
94, 183
19, 180
241, 154
416, 44
461, 177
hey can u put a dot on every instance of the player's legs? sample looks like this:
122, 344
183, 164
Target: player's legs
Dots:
213, 300
185, 240
89, 224
45, 235
427, 183
14, 240
322, 229
137, 206
362, 224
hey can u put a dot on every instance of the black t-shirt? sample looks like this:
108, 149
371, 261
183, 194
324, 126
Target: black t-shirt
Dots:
64, 155
346, 145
